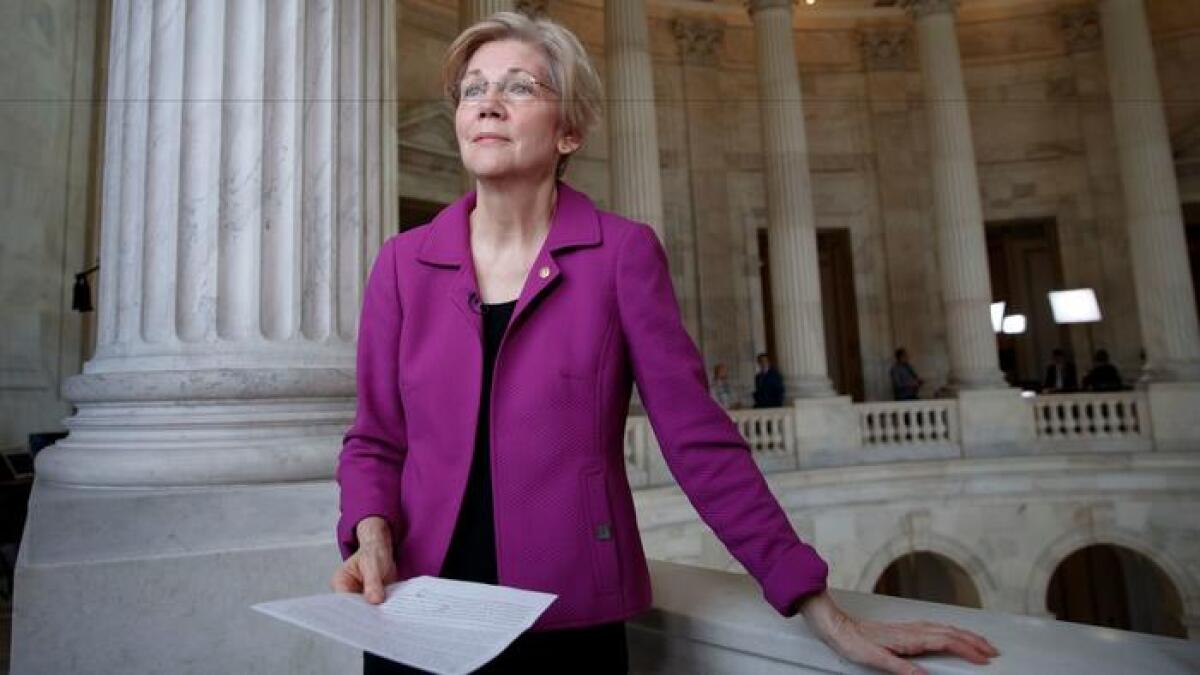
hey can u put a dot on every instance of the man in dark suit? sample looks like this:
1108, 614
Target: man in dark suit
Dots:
1060, 375
768, 384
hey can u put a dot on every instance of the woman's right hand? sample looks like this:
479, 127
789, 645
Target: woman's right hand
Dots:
372, 567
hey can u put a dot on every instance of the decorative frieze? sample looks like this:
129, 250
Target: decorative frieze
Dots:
885, 48
533, 8
1081, 29
699, 39
753, 6
920, 8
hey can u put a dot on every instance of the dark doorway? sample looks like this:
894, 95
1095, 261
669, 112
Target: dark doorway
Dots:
1117, 587
1023, 261
414, 212
839, 307
931, 577
843, 352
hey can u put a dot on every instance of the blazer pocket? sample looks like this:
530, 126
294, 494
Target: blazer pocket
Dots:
601, 532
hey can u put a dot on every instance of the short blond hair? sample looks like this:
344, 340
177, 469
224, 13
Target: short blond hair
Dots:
571, 72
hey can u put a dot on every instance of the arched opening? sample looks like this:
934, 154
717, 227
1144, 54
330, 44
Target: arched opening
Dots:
1113, 586
922, 575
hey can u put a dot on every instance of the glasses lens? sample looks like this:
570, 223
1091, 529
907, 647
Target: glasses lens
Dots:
473, 90
519, 88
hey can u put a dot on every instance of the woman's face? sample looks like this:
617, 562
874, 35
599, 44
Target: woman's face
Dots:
508, 124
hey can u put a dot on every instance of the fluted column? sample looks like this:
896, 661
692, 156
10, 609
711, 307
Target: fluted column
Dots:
634, 179
1166, 304
243, 201
795, 272
958, 214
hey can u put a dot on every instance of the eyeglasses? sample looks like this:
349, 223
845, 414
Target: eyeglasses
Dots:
515, 88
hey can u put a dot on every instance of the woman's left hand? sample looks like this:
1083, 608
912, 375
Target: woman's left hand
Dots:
879, 644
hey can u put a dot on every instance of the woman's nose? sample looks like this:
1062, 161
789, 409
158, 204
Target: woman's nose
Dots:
491, 104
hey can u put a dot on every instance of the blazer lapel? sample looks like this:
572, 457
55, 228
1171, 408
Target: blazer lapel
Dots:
575, 224
448, 246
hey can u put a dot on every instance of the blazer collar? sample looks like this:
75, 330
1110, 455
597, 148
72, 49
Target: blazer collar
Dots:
575, 223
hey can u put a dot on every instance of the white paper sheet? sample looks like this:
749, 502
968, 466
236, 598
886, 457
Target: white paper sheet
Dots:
439, 625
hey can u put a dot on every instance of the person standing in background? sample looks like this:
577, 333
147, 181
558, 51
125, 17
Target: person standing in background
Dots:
721, 390
768, 384
906, 384
1060, 375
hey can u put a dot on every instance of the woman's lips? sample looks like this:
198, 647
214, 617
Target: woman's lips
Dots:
490, 138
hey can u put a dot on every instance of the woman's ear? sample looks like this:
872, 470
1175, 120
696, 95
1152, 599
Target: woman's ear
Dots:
568, 143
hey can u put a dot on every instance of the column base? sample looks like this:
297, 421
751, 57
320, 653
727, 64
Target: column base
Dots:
202, 428
808, 387
1174, 423
160, 581
995, 422
827, 431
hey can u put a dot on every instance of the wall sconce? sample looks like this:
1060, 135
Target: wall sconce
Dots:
81, 294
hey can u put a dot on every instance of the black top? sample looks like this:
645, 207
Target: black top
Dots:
472, 554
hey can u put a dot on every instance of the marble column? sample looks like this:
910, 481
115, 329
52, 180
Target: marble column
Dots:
242, 206
635, 182
472, 11
1166, 304
795, 274
958, 213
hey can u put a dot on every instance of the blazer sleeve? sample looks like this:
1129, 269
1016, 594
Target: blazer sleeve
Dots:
374, 447
700, 443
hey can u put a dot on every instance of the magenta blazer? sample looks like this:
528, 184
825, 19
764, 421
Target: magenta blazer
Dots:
597, 314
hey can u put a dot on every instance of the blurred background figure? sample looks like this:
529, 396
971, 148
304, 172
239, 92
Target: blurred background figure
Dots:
722, 391
768, 384
1060, 374
906, 384
1103, 376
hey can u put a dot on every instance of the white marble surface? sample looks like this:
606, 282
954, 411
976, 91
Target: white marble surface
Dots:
152, 581
1007, 522
728, 628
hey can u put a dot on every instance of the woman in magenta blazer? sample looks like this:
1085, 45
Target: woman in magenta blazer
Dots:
497, 350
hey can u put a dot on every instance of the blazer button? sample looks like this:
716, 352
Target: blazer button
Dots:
544, 272
603, 532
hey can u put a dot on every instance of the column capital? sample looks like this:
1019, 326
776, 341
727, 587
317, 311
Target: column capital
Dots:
698, 39
885, 48
1080, 28
753, 6
922, 8
532, 8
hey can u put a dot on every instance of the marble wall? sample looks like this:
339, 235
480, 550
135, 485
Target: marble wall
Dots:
47, 158
1007, 523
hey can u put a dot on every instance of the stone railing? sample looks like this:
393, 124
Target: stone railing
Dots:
930, 422
730, 629
837, 432
1118, 421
